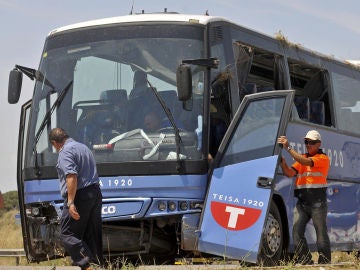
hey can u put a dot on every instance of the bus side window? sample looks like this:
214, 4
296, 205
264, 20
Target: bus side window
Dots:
347, 114
259, 70
312, 83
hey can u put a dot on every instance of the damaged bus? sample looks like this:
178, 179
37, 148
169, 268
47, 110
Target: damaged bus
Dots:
182, 113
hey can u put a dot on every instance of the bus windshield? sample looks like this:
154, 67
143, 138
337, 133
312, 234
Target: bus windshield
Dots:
111, 105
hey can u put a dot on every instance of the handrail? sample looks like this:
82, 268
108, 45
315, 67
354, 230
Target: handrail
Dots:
17, 253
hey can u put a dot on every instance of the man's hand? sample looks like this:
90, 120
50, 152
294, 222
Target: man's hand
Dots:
284, 141
73, 212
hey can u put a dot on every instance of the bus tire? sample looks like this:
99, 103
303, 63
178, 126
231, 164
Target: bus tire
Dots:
272, 240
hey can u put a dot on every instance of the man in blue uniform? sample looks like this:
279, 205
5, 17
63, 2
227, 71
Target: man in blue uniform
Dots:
81, 224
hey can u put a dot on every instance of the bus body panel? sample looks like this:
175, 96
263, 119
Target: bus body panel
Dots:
235, 212
186, 186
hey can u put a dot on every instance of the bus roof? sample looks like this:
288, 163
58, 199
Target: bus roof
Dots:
192, 19
152, 17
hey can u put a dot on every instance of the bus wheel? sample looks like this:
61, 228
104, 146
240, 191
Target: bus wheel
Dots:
272, 239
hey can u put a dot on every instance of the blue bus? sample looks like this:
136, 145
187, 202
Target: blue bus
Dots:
182, 113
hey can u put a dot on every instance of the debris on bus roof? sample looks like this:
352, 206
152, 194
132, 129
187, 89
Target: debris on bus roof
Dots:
353, 62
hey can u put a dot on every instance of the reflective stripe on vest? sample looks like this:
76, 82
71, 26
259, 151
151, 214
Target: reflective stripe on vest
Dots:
311, 186
310, 174
302, 181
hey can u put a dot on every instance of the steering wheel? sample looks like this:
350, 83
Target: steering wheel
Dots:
168, 129
155, 147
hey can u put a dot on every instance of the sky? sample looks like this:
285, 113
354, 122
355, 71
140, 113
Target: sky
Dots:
327, 26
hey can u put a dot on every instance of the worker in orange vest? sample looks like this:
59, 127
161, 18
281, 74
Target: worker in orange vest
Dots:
311, 170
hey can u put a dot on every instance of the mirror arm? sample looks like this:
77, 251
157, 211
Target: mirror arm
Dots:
30, 72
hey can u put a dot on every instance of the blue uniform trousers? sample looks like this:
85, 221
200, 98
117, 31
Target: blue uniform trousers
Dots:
83, 238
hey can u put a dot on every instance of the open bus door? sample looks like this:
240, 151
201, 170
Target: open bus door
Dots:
241, 185
24, 121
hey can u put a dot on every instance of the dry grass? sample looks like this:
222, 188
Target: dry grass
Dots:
10, 233
11, 238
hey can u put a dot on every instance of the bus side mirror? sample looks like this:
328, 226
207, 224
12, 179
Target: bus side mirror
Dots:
184, 82
14, 87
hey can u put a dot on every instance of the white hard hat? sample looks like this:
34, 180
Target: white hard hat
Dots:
313, 135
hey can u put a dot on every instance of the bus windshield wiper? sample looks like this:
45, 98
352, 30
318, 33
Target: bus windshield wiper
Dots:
46, 120
172, 122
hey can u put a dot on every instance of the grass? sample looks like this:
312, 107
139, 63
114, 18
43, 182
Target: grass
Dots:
11, 238
10, 233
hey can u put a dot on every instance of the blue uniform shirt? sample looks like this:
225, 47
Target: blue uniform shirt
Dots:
76, 158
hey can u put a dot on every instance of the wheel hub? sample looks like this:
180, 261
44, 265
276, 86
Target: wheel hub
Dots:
273, 234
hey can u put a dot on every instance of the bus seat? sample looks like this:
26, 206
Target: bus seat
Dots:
302, 104
99, 123
170, 98
116, 97
138, 107
317, 112
117, 100
140, 85
172, 103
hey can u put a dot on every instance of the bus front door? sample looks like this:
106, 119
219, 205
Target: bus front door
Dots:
241, 184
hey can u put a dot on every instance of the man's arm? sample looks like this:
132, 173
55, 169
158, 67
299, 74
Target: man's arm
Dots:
71, 184
305, 161
288, 171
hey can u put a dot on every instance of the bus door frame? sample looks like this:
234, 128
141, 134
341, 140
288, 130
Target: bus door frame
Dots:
23, 130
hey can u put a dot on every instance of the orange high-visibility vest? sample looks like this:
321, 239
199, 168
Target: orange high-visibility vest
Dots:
315, 176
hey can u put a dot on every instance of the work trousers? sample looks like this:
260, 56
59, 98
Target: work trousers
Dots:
302, 214
83, 238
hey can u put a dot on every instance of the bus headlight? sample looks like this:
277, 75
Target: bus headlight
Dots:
35, 211
172, 206
162, 206
183, 206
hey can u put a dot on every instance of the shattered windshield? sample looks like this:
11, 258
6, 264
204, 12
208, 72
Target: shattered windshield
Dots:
111, 105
